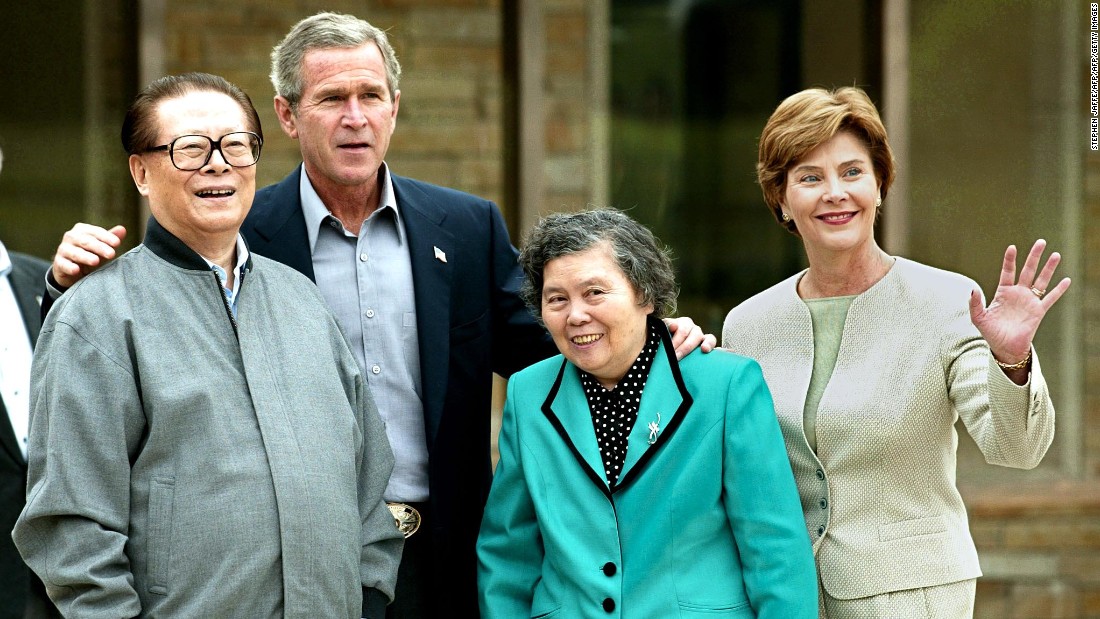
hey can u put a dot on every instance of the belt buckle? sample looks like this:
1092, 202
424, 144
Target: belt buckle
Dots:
406, 517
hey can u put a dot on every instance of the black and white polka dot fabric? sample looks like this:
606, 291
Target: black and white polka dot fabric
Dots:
614, 412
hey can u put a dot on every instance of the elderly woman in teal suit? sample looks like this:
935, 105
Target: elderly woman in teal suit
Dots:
630, 484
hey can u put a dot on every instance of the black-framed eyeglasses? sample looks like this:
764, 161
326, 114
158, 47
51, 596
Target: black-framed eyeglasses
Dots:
239, 149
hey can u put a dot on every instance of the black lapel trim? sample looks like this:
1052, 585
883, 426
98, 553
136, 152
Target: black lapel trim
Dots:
554, 421
674, 423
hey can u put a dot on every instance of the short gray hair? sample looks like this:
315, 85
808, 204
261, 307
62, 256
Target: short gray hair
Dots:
646, 263
326, 31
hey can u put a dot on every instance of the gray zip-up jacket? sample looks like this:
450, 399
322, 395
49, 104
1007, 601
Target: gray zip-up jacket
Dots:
186, 464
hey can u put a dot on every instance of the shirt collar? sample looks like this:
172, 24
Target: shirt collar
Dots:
242, 256
5, 260
316, 212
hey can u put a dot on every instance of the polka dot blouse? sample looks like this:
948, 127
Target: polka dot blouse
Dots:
614, 412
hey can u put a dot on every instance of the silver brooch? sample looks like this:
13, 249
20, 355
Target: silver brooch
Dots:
654, 429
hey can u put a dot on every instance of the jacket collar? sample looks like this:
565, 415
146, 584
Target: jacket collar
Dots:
167, 246
665, 402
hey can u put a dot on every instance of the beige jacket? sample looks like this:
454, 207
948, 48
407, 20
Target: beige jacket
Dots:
879, 497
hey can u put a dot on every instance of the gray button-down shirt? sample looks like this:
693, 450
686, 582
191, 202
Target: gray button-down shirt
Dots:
367, 282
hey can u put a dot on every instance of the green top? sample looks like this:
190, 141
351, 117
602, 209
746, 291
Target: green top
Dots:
827, 316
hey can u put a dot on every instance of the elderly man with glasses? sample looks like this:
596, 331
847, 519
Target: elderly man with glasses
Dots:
202, 443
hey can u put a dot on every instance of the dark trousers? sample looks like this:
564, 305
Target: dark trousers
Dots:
413, 598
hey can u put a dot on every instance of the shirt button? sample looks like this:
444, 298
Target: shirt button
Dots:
334, 224
820, 474
820, 531
823, 503
370, 313
609, 604
363, 257
608, 569
374, 369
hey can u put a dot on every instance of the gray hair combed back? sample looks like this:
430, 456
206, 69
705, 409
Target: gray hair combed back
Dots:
646, 263
326, 31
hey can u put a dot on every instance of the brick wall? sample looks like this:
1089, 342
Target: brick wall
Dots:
1040, 550
568, 99
449, 128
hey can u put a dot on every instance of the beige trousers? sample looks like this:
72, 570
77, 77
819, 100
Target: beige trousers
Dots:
951, 601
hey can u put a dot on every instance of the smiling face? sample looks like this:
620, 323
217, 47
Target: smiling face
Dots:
345, 117
592, 312
197, 206
831, 194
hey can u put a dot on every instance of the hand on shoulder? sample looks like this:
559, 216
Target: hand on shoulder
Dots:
83, 249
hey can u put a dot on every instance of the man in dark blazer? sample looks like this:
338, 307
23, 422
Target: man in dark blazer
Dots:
336, 79
21, 593
470, 323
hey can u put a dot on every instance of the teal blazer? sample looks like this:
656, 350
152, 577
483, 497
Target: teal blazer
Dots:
705, 520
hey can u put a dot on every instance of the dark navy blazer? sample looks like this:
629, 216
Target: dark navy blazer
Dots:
471, 323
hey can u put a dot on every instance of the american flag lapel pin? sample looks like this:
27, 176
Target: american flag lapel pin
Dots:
439, 255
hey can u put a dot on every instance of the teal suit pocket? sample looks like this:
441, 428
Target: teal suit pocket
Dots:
734, 611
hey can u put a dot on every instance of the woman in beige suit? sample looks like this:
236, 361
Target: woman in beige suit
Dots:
871, 358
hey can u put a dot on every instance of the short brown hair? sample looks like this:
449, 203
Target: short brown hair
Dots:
139, 130
805, 120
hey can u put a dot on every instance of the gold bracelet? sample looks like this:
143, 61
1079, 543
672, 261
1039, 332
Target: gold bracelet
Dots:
1015, 366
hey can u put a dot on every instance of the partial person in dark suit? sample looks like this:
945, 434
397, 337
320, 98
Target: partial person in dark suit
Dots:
423, 279
22, 595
